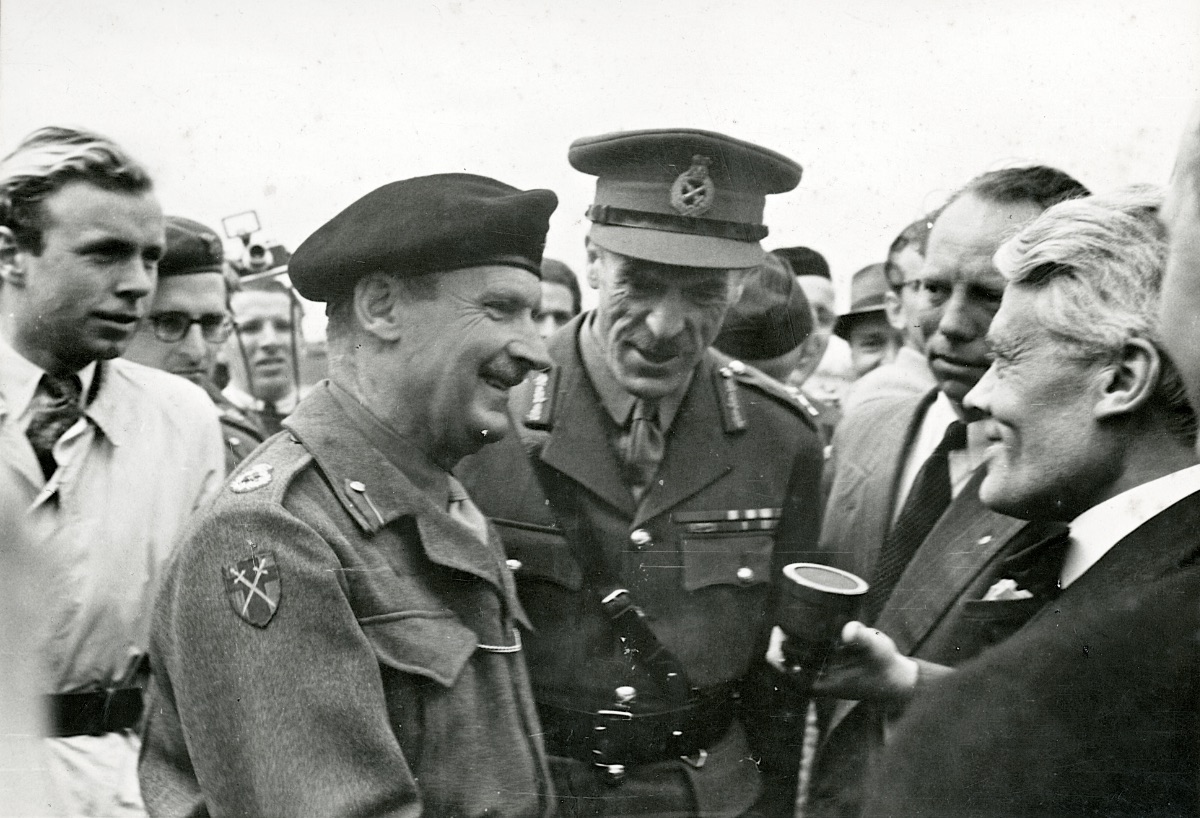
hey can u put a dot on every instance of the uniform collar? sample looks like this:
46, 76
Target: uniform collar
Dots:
375, 491
616, 401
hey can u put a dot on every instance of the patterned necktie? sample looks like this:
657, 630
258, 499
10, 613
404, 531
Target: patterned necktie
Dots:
55, 409
644, 448
926, 502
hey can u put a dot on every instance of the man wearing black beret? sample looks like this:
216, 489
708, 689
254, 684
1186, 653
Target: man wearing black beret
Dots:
340, 634
187, 322
654, 491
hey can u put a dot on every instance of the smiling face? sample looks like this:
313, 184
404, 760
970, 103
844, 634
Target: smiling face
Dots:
460, 353
961, 288
80, 298
655, 321
1048, 458
265, 323
200, 295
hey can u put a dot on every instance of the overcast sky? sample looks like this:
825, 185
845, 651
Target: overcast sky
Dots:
295, 108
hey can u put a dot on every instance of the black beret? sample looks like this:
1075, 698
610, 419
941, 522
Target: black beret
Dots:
191, 248
804, 261
430, 224
772, 317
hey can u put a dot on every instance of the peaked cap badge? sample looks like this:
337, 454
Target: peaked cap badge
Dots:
694, 193
253, 588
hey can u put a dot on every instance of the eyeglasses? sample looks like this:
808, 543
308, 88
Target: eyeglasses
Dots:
170, 327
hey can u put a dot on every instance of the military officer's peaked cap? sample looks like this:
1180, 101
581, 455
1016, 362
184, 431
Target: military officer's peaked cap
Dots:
772, 317
191, 248
684, 197
430, 224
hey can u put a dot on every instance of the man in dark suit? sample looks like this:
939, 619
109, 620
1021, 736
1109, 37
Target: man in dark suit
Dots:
1090, 709
942, 545
655, 491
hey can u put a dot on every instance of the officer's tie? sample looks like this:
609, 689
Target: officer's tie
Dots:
926, 502
644, 448
55, 409
271, 417
461, 508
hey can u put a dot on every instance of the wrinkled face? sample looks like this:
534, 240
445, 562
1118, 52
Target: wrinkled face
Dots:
872, 341
1047, 458
80, 299
656, 320
1181, 285
820, 295
265, 323
460, 354
961, 288
199, 296
910, 263
557, 308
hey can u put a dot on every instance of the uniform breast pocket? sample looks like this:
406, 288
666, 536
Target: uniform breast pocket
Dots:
539, 552
433, 644
742, 560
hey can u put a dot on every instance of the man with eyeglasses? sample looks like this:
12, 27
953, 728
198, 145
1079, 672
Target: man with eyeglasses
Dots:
187, 323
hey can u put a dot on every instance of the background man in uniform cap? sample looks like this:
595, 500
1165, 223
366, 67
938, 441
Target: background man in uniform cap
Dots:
865, 327
187, 322
107, 458
655, 491
340, 634
768, 325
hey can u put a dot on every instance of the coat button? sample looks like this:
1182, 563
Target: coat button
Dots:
233, 441
625, 693
640, 537
745, 575
358, 486
513, 565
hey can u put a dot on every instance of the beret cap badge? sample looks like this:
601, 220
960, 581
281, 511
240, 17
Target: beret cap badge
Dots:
693, 193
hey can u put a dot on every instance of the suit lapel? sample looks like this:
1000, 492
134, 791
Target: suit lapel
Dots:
1163, 543
964, 541
697, 453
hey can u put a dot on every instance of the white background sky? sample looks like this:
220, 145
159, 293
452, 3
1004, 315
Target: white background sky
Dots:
295, 108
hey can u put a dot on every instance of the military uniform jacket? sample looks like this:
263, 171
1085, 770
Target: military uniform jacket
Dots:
240, 432
735, 498
373, 673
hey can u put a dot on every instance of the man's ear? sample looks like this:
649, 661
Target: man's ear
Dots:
895, 315
378, 306
1128, 383
12, 268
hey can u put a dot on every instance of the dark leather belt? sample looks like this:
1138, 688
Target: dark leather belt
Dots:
95, 712
618, 736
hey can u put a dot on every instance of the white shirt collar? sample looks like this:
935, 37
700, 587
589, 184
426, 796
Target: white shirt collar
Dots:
940, 414
19, 378
1097, 530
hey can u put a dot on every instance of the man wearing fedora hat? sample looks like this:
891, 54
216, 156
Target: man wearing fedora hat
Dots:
653, 493
873, 342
